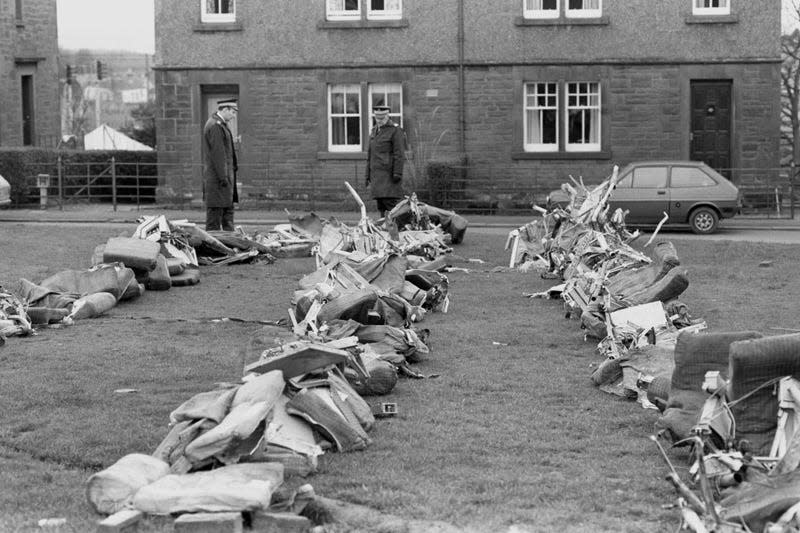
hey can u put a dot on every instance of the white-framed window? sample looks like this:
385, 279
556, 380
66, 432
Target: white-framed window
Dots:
390, 94
217, 10
541, 117
344, 118
343, 9
582, 117
584, 8
541, 9
711, 7
375, 9
384, 9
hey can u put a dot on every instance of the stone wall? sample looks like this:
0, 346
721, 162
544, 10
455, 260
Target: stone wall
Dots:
28, 45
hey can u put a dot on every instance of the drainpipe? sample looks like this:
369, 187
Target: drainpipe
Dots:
461, 90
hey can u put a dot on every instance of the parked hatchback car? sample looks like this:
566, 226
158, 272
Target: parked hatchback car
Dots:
690, 192
5, 191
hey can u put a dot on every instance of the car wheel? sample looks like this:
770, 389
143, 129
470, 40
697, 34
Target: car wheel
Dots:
703, 220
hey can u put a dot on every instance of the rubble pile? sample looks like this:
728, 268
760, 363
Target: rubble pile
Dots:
353, 333
732, 398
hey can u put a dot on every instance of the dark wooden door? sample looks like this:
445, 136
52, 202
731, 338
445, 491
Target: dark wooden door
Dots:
28, 119
711, 124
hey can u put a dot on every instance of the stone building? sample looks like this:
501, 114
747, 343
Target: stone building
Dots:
523, 93
29, 114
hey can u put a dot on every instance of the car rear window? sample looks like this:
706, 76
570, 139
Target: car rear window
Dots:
690, 177
650, 177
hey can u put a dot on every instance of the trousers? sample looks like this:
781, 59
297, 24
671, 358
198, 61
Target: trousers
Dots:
219, 218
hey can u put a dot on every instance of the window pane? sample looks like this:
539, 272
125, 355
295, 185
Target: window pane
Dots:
337, 103
549, 126
353, 131
584, 8
650, 177
217, 11
583, 116
383, 9
540, 8
338, 130
389, 94
541, 4
342, 9
711, 7
541, 116
690, 177
344, 117
352, 103
625, 181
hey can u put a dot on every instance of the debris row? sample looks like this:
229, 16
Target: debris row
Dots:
732, 398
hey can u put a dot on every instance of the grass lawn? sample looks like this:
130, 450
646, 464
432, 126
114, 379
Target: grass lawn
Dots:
512, 432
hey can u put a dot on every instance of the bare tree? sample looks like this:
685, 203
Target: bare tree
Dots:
424, 144
790, 84
77, 111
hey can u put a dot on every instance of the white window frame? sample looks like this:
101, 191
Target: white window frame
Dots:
382, 90
703, 7
584, 12
532, 91
350, 88
530, 11
388, 13
593, 108
335, 10
205, 16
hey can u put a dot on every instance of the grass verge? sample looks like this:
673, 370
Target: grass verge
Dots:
512, 432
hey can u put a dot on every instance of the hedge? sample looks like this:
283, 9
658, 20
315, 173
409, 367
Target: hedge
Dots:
445, 181
20, 166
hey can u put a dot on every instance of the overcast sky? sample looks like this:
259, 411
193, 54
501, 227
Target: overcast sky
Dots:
128, 24
106, 24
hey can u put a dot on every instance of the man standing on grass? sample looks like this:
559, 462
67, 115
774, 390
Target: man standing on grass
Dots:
219, 168
385, 159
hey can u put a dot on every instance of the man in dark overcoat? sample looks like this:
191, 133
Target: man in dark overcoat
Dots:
385, 159
219, 167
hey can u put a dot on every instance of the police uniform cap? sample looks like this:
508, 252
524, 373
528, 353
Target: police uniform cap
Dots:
231, 102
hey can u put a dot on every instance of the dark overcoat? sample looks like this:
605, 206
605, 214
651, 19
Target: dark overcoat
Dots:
385, 159
219, 164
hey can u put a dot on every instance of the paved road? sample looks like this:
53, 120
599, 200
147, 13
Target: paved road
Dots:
766, 234
739, 228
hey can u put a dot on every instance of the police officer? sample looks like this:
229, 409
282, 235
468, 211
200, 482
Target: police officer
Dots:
219, 173
385, 158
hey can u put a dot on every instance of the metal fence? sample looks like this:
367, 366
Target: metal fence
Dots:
110, 182
766, 193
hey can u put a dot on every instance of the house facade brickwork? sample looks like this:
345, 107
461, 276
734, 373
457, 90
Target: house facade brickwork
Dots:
29, 114
523, 100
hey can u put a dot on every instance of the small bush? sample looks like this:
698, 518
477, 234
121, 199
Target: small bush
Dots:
20, 166
445, 181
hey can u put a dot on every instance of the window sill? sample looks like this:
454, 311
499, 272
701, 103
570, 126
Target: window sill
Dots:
20, 25
603, 154
343, 156
217, 26
712, 19
361, 24
562, 21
